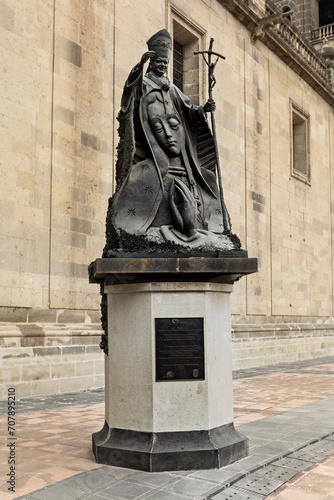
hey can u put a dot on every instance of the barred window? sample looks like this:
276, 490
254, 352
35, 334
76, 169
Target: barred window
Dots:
178, 64
186, 66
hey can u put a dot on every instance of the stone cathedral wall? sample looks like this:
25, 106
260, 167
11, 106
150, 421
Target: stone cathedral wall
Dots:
64, 66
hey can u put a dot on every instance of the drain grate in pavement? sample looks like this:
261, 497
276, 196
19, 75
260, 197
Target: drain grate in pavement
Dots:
294, 464
276, 472
315, 452
236, 494
259, 485
326, 444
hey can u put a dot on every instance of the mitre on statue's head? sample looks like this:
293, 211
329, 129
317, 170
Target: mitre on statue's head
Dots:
161, 43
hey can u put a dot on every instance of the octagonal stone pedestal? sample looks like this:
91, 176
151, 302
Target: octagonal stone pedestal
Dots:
160, 423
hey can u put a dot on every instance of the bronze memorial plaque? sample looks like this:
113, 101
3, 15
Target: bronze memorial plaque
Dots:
179, 349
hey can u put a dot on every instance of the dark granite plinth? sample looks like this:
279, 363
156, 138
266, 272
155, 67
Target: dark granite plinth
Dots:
163, 451
128, 270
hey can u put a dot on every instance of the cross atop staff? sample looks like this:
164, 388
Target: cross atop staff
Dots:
211, 65
207, 56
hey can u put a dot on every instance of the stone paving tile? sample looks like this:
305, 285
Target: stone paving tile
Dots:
218, 475
189, 486
125, 490
153, 480
60, 492
43, 403
254, 442
285, 367
165, 495
89, 483
247, 465
293, 440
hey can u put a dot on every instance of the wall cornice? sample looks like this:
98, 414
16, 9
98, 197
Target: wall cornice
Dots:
288, 44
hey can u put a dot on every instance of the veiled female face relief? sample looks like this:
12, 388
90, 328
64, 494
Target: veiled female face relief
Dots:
167, 129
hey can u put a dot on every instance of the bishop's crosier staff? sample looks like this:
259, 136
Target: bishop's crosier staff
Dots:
212, 82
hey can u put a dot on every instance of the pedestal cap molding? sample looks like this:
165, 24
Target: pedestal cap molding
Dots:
172, 287
186, 269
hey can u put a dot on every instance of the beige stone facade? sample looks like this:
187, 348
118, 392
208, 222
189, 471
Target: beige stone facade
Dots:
64, 65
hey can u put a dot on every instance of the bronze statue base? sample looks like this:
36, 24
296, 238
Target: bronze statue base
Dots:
168, 451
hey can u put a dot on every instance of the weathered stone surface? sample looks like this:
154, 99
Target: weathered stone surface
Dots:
69, 50
131, 270
7, 16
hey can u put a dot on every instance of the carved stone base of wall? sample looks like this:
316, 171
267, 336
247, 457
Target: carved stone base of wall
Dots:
265, 341
49, 358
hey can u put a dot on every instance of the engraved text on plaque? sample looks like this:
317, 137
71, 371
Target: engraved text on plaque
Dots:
179, 349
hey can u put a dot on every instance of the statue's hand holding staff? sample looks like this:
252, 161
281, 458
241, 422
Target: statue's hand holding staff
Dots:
209, 106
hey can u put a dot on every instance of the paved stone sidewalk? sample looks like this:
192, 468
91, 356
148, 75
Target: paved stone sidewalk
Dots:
286, 411
281, 447
315, 483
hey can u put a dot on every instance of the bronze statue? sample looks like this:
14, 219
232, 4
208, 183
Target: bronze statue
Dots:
166, 196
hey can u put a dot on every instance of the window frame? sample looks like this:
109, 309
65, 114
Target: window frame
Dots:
298, 114
192, 37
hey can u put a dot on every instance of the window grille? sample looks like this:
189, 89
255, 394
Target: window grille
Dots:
178, 65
